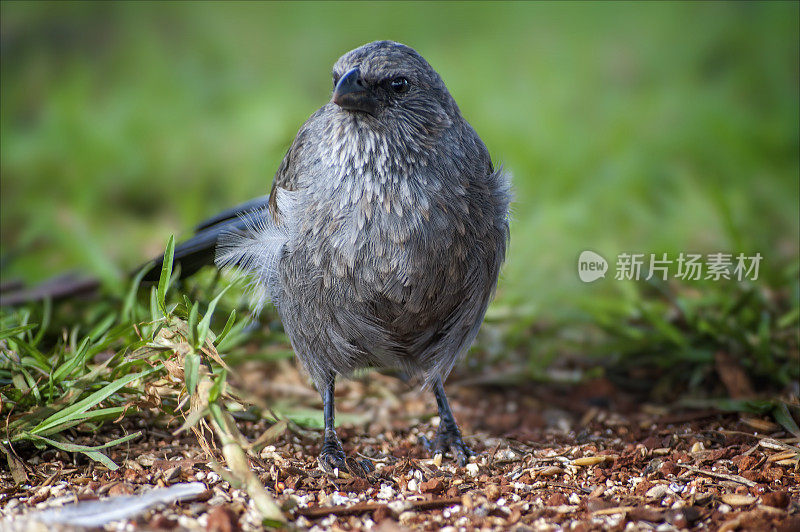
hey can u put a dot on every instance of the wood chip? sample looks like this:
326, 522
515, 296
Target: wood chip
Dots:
658, 492
172, 474
733, 478
363, 507
563, 508
761, 425
785, 455
614, 510
735, 499
770, 510
589, 460
550, 471
777, 445
355, 509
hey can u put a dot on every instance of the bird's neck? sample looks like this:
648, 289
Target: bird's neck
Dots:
379, 155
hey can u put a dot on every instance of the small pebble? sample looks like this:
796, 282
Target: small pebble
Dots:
406, 517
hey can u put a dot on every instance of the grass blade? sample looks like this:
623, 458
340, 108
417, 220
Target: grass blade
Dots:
80, 407
191, 371
92, 452
155, 313
101, 414
130, 297
226, 329
205, 323
166, 273
13, 331
47, 314
77, 359
784, 417
192, 324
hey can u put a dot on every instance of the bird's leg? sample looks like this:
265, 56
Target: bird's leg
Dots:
332, 456
448, 437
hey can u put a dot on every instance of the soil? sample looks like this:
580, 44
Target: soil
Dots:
551, 457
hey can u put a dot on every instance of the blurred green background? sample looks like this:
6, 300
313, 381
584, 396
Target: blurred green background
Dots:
628, 127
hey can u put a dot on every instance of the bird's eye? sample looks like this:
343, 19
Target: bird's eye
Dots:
399, 85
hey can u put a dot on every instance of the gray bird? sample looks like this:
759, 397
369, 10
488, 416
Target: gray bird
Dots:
383, 235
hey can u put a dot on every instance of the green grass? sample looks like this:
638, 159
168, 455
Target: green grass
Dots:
94, 374
170, 361
628, 127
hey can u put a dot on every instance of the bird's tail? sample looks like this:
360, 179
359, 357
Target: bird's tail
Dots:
200, 248
242, 224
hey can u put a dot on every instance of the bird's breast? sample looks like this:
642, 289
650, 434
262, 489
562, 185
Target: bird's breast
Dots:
395, 238
380, 218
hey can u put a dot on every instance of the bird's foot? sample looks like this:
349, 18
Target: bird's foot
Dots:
333, 461
449, 440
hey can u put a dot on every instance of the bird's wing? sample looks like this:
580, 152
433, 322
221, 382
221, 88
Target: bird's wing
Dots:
287, 176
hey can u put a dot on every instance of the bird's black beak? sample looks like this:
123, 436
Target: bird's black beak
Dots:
351, 94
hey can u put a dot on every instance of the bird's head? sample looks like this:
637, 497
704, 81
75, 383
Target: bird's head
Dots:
388, 83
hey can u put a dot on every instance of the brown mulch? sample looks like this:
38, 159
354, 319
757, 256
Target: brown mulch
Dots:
579, 458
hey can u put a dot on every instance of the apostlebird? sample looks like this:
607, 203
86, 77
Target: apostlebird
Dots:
382, 238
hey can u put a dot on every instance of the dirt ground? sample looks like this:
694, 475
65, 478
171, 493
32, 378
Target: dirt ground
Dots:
551, 458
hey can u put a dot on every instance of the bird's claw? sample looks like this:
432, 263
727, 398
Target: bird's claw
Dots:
333, 461
449, 440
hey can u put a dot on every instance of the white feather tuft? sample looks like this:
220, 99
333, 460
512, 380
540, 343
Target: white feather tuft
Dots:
255, 251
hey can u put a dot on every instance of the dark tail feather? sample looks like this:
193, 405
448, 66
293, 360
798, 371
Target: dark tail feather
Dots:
200, 249
256, 204
192, 254
67, 285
